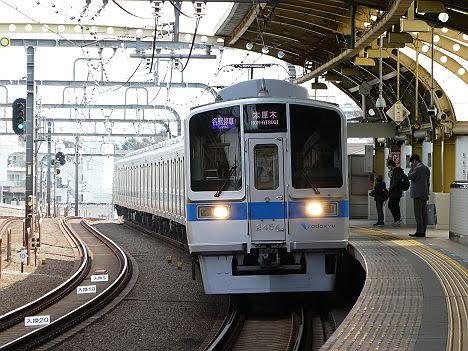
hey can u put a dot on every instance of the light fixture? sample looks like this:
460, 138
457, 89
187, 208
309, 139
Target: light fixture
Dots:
204, 39
436, 38
110, 30
280, 54
61, 28
444, 29
443, 17
12, 27
220, 41
28, 28
456, 47
221, 212
45, 28
188, 37
461, 71
265, 50
249, 46
443, 59
139, 32
373, 18
77, 29
93, 30
465, 36
371, 112
314, 209
425, 48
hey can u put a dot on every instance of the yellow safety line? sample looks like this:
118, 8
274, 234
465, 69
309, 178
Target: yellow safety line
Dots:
448, 279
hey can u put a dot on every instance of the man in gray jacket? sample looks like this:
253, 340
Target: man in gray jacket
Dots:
419, 191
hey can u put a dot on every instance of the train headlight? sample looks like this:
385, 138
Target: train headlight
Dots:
221, 212
314, 209
214, 212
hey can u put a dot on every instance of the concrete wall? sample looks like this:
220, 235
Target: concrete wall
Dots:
10, 210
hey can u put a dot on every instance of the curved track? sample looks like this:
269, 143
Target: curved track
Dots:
63, 305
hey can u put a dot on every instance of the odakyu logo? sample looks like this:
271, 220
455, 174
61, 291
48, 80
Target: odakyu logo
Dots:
308, 226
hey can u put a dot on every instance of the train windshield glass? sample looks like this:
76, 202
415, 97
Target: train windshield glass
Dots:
215, 150
316, 155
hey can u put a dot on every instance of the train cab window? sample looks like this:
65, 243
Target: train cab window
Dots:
316, 155
266, 169
215, 150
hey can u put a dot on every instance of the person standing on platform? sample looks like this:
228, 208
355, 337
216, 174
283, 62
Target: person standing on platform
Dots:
380, 195
395, 191
419, 176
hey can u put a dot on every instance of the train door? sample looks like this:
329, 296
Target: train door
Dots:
267, 208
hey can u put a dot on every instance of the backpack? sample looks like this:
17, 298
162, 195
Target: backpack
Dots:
405, 184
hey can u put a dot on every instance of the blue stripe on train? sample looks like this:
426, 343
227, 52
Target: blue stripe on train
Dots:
266, 210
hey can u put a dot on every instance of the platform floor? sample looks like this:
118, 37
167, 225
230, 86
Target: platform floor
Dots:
415, 294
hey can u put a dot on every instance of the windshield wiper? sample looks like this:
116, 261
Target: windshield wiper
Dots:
226, 181
311, 183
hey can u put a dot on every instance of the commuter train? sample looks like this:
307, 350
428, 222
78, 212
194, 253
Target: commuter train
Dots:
257, 187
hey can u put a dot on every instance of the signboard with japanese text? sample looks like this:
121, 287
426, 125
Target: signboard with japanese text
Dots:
222, 122
36, 320
264, 118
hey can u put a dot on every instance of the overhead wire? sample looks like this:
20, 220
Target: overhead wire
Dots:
193, 43
154, 41
128, 12
179, 10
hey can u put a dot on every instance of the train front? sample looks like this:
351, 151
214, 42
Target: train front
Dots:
267, 199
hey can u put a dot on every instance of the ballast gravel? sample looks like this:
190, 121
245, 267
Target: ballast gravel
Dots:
166, 310
55, 263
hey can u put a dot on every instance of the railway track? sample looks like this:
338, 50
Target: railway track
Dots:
242, 329
77, 298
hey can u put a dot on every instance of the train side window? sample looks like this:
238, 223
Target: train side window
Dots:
266, 168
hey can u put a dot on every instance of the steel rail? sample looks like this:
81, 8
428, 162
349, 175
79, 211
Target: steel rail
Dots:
39, 336
17, 315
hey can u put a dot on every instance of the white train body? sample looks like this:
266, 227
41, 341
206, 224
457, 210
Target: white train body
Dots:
257, 187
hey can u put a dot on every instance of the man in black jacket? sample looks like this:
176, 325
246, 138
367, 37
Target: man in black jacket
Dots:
395, 191
419, 191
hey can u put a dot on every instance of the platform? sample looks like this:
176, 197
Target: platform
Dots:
415, 294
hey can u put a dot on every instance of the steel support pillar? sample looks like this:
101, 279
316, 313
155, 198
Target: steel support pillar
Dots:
76, 174
29, 139
49, 163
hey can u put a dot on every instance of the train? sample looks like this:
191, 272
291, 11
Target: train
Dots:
256, 186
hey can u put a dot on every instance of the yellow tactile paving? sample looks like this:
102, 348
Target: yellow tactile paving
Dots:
453, 278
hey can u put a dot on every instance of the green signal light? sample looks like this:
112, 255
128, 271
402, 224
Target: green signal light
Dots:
21, 126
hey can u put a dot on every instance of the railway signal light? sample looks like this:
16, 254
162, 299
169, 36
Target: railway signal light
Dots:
19, 116
60, 158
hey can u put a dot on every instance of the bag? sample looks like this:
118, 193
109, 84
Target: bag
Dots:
384, 195
404, 182
431, 214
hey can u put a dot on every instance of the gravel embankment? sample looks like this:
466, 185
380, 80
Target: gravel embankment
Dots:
166, 310
16, 288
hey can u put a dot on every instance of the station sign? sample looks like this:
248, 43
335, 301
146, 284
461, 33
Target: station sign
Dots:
36, 320
89, 289
4, 42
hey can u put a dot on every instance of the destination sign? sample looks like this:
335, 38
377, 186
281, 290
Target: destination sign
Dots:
261, 118
223, 123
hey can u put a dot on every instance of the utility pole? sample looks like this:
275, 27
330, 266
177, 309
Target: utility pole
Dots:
29, 142
76, 174
49, 163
